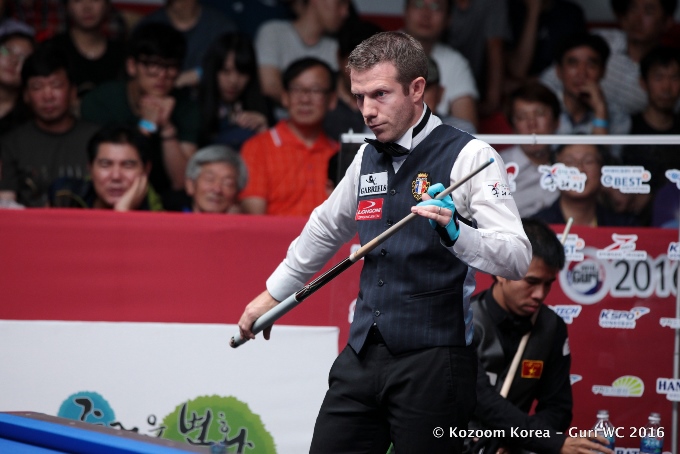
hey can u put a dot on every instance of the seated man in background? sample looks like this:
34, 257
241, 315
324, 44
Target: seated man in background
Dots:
532, 109
215, 176
147, 101
288, 164
119, 166
54, 143
503, 315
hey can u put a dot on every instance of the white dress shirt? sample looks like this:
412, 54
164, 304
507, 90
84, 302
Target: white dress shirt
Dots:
497, 246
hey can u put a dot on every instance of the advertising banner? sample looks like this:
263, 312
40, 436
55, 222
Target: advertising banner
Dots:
617, 295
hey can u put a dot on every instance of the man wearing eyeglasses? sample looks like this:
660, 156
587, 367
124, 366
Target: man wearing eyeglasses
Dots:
288, 164
168, 118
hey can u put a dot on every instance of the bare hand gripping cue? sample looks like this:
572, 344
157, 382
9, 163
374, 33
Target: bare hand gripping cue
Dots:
270, 317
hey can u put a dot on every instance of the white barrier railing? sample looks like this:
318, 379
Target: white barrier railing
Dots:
543, 139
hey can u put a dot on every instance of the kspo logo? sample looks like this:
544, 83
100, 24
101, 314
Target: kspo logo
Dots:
589, 281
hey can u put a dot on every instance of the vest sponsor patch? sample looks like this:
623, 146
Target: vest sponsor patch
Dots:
369, 210
532, 368
496, 190
420, 185
373, 184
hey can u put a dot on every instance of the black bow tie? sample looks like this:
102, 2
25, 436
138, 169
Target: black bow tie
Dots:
393, 149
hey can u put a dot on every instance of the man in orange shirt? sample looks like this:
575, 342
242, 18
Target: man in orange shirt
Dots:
288, 164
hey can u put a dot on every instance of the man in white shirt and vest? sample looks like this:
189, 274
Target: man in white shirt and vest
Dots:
408, 372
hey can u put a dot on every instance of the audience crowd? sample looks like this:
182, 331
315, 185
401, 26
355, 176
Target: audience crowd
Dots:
203, 107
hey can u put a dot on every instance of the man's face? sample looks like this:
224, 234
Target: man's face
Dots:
586, 158
525, 296
645, 22
12, 55
332, 14
533, 117
425, 19
309, 97
113, 171
215, 189
386, 109
87, 14
663, 86
50, 97
579, 66
153, 75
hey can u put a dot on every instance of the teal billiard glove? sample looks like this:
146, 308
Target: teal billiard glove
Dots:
450, 233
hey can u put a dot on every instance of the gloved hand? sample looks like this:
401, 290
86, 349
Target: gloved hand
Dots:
449, 233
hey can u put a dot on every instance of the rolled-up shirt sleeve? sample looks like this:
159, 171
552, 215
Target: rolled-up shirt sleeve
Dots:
498, 244
330, 225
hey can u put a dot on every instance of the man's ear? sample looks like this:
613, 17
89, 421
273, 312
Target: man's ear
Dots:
147, 168
417, 88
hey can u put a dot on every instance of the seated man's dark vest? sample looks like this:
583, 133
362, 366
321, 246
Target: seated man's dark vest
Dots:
486, 338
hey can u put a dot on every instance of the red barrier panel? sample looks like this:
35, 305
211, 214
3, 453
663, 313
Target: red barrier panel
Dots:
172, 267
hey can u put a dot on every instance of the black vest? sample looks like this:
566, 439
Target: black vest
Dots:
411, 286
525, 384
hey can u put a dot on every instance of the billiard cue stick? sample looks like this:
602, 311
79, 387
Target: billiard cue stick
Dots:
268, 318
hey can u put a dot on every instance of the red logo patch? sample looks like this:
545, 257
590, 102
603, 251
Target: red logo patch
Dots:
369, 210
